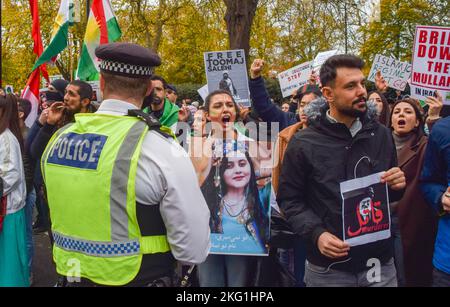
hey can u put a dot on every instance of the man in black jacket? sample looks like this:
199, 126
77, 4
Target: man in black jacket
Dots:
345, 141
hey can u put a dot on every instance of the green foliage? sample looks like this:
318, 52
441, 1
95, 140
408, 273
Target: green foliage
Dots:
284, 33
189, 90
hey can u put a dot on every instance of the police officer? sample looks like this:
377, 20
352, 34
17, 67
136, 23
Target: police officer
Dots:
123, 195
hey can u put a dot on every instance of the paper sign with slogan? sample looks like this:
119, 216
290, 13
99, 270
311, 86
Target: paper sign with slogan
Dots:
96, 93
365, 210
396, 73
203, 92
431, 63
56, 77
321, 58
227, 70
294, 78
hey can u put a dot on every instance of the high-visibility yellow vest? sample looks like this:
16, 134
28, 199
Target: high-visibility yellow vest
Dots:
89, 169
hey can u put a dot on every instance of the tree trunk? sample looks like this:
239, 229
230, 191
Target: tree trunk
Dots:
158, 30
63, 70
239, 18
158, 27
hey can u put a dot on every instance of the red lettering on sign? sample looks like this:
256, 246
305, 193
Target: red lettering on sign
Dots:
434, 37
432, 52
445, 53
422, 51
423, 36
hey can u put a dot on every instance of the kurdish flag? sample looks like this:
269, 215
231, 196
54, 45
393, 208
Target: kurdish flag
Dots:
102, 28
58, 42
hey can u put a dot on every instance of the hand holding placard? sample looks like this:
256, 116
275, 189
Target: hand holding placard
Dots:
331, 246
395, 179
436, 104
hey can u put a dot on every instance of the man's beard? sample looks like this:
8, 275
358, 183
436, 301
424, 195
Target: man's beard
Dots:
354, 112
151, 99
72, 112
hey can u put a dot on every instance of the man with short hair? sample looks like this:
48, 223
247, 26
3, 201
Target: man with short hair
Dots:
344, 141
171, 93
129, 217
158, 105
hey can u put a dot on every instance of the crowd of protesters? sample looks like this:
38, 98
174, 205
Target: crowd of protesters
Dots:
330, 131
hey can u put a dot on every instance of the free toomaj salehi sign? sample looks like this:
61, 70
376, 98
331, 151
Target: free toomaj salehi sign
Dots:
227, 70
431, 63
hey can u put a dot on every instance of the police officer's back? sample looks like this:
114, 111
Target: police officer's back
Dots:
123, 195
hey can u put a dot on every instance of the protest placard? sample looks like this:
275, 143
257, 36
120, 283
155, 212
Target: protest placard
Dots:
294, 78
431, 63
321, 58
365, 210
227, 70
396, 73
55, 77
239, 201
96, 93
203, 92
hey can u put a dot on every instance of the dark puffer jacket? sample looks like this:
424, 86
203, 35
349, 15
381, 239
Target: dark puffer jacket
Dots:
317, 160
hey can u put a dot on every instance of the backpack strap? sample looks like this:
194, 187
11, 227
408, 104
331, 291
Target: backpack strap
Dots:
153, 123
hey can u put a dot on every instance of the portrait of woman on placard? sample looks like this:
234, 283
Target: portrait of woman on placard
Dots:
240, 213
236, 208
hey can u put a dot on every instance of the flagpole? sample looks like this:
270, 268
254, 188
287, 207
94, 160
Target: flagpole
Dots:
70, 42
88, 9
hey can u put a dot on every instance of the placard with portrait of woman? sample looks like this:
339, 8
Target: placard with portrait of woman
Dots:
239, 204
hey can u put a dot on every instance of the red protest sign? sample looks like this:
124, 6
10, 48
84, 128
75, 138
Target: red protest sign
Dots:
431, 61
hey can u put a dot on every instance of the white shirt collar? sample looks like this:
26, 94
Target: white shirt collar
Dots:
115, 107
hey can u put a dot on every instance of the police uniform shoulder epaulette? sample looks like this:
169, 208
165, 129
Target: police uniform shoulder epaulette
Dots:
152, 122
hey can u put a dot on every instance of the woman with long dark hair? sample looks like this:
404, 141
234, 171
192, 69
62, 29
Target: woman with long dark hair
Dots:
14, 271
